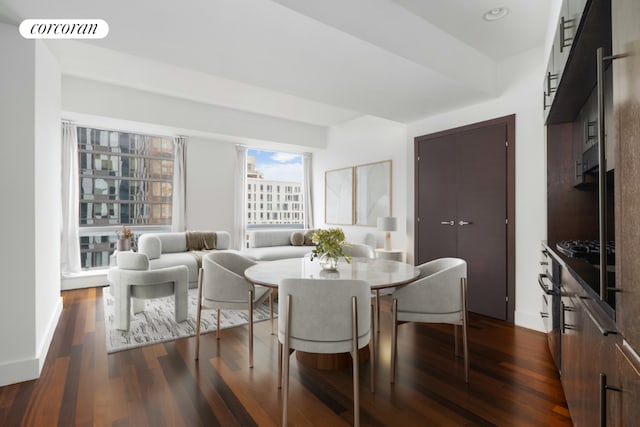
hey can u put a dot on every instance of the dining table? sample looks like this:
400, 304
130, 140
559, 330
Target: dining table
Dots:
378, 273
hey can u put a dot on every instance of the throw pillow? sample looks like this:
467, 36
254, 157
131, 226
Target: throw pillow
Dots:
297, 238
308, 236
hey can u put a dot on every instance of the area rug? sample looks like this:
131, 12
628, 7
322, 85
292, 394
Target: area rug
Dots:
157, 323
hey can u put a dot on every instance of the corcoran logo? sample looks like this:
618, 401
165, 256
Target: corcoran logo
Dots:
64, 29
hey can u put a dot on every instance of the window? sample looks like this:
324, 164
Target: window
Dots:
125, 179
278, 175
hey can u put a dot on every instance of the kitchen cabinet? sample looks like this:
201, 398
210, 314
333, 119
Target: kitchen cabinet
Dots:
623, 393
626, 112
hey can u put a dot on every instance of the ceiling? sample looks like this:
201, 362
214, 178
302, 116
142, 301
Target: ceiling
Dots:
319, 62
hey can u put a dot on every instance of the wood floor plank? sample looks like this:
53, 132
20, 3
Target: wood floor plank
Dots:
513, 381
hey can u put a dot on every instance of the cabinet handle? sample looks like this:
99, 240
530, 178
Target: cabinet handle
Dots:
544, 315
544, 101
565, 24
551, 77
604, 331
563, 325
543, 263
544, 287
447, 223
461, 222
578, 169
603, 398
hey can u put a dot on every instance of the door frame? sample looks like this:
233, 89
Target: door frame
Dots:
510, 123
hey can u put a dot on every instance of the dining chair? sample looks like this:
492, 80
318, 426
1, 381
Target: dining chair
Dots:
359, 250
438, 296
222, 286
324, 316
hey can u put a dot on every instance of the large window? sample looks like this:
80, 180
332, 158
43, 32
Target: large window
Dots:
125, 179
274, 176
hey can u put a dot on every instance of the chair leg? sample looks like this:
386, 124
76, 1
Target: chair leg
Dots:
456, 339
465, 320
354, 357
279, 365
251, 329
377, 324
199, 314
271, 312
394, 339
285, 364
373, 356
218, 324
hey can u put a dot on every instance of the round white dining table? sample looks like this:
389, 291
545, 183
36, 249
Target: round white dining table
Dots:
379, 273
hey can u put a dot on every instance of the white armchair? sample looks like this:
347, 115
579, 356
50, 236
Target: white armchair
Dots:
131, 280
438, 296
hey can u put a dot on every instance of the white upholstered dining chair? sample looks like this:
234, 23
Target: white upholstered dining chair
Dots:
438, 296
222, 286
132, 283
360, 250
324, 316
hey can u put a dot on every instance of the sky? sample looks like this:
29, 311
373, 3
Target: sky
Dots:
278, 166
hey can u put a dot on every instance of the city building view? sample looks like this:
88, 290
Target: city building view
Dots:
125, 179
274, 189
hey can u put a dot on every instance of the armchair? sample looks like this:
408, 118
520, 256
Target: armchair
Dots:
132, 282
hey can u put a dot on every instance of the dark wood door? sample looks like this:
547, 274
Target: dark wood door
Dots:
461, 200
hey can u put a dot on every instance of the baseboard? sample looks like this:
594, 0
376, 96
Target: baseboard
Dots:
83, 280
529, 320
17, 371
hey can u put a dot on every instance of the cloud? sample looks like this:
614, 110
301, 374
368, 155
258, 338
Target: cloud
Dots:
281, 171
284, 157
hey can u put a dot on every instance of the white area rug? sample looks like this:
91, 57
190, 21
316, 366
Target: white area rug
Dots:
157, 323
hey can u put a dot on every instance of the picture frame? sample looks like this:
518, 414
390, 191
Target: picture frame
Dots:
372, 197
338, 196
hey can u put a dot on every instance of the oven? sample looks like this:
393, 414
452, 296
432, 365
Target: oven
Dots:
549, 281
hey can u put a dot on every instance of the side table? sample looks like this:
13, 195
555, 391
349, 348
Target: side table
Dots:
393, 254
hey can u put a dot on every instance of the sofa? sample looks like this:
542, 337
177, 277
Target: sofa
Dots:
182, 248
270, 245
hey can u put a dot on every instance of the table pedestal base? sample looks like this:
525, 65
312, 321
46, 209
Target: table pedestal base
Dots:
331, 361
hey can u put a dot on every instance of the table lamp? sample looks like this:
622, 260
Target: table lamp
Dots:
387, 224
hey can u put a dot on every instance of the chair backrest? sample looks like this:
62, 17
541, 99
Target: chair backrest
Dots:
223, 276
360, 250
438, 289
321, 310
132, 261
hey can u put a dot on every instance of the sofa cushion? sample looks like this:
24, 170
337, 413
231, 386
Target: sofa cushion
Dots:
173, 242
297, 238
132, 261
276, 252
308, 237
151, 245
264, 238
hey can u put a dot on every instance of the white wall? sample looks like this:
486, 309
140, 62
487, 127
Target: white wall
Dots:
210, 186
365, 140
30, 303
521, 78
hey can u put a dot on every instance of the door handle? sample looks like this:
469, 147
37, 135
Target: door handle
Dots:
447, 223
461, 222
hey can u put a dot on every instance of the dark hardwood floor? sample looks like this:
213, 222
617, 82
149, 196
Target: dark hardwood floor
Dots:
513, 381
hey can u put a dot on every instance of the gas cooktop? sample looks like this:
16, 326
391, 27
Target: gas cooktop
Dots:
588, 250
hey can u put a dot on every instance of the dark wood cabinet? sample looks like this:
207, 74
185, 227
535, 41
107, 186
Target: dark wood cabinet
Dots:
626, 111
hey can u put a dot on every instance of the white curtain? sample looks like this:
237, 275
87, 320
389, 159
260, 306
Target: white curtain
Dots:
240, 199
70, 239
179, 206
308, 194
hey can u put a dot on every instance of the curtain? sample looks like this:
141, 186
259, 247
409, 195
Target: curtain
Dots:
179, 206
308, 194
240, 197
70, 238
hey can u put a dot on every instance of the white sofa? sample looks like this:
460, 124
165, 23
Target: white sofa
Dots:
170, 249
270, 245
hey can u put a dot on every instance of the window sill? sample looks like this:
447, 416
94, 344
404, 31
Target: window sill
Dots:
84, 279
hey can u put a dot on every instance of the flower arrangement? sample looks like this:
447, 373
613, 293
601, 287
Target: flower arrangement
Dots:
125, 233
330, 244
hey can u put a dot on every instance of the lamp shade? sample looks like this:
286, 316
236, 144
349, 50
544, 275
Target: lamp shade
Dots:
387, 223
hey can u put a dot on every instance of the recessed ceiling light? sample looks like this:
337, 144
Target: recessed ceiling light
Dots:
495, 14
